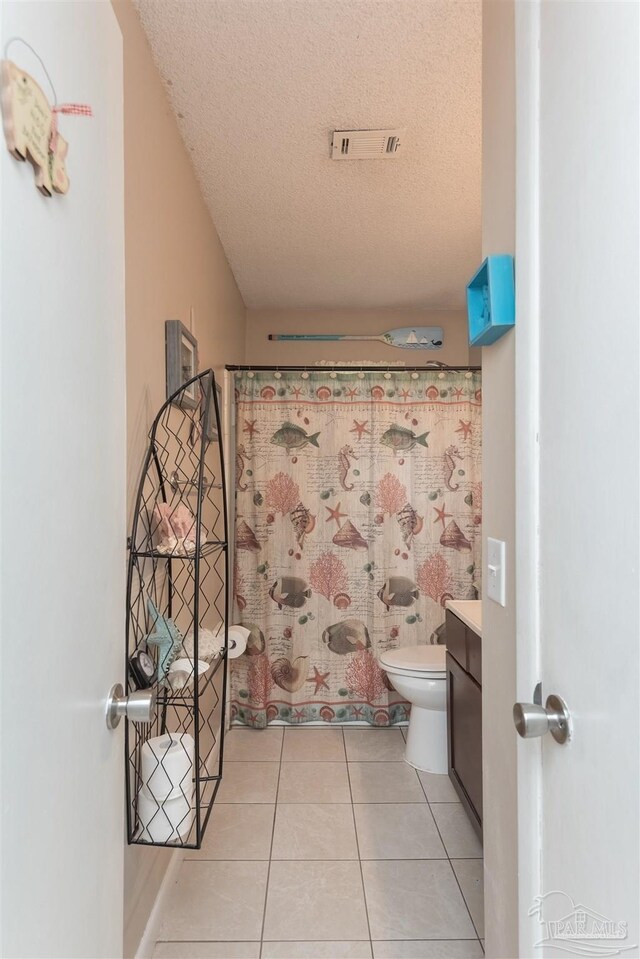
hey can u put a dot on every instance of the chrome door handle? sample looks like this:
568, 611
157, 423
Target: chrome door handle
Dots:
533, 719
139, 707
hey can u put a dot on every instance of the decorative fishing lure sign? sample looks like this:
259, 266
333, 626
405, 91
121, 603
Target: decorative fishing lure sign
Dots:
31, 127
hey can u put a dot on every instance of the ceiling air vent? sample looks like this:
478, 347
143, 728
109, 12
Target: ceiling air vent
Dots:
365, 144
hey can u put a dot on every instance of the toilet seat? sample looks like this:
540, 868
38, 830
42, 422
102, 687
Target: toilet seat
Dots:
427, 661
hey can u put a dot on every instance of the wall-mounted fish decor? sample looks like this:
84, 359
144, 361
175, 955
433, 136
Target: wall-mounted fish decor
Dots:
406, 337
31, 126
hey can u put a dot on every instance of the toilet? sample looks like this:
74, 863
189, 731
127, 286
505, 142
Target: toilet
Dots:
419, 674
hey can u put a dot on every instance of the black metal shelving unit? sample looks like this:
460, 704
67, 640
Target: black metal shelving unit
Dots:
179, 589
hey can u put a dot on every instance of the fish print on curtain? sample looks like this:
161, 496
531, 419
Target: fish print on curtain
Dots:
358, 511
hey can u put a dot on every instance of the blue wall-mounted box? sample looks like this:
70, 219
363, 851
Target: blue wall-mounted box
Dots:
491, 302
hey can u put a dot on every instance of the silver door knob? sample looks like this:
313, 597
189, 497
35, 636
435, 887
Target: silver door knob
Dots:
139, 707
532, 719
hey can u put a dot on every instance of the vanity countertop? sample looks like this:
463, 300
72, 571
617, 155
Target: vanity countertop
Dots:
469, 611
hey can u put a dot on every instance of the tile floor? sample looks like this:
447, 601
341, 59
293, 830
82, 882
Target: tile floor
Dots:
325, 844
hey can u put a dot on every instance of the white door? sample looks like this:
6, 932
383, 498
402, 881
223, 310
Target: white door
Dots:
62, 493
578, 376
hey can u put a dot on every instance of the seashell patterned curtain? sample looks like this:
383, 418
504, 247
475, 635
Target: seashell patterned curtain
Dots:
358, 512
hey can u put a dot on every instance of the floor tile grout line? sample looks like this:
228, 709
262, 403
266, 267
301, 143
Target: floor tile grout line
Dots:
254, 942
273, 832
355, 829
333, 802
333, 858
464, 898
473, 923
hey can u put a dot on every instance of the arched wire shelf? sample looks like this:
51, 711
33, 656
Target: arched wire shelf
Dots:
177, 614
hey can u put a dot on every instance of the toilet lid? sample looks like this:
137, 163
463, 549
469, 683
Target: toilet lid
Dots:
427, 659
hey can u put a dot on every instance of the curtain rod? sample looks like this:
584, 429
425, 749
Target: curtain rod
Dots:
356, 369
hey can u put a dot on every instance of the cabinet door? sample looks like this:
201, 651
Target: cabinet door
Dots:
456, 638
464, 717
474, 656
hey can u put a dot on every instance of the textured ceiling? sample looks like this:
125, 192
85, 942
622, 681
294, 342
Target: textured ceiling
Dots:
259, 85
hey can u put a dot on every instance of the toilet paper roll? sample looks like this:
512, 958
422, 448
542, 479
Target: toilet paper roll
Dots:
165, 820
238, 636
167, 766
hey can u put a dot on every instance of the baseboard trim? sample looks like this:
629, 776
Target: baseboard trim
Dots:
150, 935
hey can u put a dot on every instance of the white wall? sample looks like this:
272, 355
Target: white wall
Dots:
498, 458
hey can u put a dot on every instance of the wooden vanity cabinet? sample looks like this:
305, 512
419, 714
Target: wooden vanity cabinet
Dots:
464, 715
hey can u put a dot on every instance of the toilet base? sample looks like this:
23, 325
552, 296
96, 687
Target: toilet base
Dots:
427, 740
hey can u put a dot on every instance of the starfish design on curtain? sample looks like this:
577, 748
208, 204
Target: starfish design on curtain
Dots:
250, 428
458, 393
405, 394
352, 393
335, 514
299, 713
296, 392
464, 428
442, 515
360, 428
320, 680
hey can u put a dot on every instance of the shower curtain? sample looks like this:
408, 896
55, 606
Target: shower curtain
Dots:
358, 511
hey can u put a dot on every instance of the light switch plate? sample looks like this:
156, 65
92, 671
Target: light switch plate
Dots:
496, 570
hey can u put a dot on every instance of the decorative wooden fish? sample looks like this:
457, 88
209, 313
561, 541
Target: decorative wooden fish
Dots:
407, 337
27, 121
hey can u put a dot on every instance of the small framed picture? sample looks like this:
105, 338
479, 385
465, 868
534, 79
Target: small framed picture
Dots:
182, 362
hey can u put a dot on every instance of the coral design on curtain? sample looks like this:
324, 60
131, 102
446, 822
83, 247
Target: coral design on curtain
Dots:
358, 511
